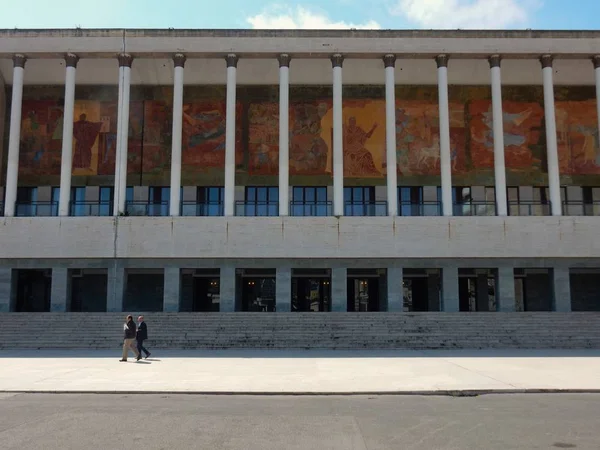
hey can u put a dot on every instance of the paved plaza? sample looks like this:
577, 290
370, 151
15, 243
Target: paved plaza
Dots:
301, 372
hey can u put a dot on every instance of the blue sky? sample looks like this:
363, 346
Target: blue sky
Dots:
401, 14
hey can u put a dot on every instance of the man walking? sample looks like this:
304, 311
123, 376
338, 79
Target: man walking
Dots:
129, 338
141, 336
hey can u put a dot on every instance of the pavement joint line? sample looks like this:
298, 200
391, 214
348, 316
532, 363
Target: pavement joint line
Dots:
431, 393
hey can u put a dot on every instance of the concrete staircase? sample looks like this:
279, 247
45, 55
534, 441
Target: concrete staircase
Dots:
307, 330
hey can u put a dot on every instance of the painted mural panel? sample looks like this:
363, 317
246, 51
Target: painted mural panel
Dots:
263, 139
418, 137
158, 130
577, 134
523, 128
310, 141
94, 138
203, 141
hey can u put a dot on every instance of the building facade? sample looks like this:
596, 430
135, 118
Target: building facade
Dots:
238, 170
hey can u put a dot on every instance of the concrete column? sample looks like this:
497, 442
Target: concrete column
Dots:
172, 290
175, 200
505, 290
230, 135
596, 61
283, 289
284, 134
338, 137
6, 290
66, 162
117, 282
562, 289
395, 289
339, 290
389, 62
125, 61
60, 292
445, 157
227, 289
450, 301
551, 140
498, 129
14, 137
483, 299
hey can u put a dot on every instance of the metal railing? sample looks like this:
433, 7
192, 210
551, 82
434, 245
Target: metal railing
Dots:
474, 208
202, 209
91, 209
256, 209
363, 209
410, 209
571, 208
147, 208
522, 208
311, 208
36, 209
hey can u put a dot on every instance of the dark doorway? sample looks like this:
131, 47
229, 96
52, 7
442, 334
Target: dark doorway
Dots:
416, 292
311, 294
206, 294
88, 290
363, 290
33, 290
258, 293
145, 290
477, 290
533, 290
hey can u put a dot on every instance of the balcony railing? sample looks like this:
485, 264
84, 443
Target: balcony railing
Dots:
529, 208
91, 209
474, 208
147, 208
256, 209
202, 209
409, 209
36, 209
363, 209
581, 208
311, 208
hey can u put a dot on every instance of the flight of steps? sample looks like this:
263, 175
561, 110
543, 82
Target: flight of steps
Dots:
307, 330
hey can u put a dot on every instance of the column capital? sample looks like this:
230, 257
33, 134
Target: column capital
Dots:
546, 61
442, 60
179, 59
596, 61
125, 60
71, 59
389, 60
19, 60
284, 60
337, 60
232, 60
495, 61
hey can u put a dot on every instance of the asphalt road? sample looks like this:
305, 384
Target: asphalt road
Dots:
148, 422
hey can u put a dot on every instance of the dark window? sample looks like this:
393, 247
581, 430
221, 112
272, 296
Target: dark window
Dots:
26, 195
106, 199
360, 201
310, 201
410, 200
210, 200
261, 201
158, 200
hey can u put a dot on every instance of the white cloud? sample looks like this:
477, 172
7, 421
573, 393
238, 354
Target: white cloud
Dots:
476, 14
302, 18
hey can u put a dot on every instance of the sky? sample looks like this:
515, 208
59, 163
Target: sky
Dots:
307, 14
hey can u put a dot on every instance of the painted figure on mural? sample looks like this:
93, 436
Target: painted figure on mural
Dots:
33, 138
357, 159
204, 134
85, 134
308, 149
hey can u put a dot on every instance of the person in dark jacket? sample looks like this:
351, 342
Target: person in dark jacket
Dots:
129, 339
141, 336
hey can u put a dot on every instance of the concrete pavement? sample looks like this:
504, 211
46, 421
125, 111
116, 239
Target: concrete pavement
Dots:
301, 372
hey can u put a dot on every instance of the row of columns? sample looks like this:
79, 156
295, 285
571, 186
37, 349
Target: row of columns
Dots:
389, 61
505, 289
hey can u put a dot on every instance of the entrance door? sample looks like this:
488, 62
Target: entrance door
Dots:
206, 294
258, 294
33, 291
363, 294
311, 294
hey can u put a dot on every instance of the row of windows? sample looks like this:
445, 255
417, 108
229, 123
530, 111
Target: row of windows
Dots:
263, 201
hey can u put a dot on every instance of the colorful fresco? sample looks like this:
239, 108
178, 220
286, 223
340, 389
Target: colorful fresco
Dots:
263, 139
578, 140
418, 137
310, 142
523, 129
